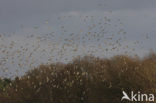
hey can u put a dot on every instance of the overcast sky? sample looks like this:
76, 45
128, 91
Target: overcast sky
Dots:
33, 12
20, 18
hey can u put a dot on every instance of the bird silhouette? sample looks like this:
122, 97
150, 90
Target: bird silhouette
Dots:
125, 96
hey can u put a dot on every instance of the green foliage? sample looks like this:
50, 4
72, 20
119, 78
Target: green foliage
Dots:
4, 83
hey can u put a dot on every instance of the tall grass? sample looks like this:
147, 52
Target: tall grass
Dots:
84, 80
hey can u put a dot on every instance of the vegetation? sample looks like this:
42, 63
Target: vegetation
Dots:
84, 80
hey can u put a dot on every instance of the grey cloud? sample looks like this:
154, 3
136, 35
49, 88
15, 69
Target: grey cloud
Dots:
31, 12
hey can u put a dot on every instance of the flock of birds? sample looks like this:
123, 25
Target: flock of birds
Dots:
100, 37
